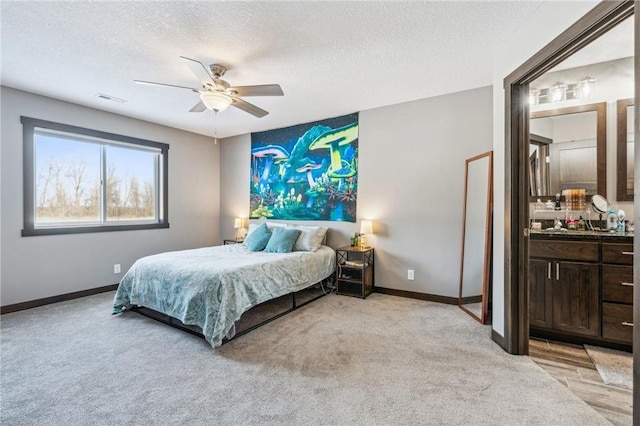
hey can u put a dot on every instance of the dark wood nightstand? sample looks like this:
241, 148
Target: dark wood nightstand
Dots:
233, 241
355, 271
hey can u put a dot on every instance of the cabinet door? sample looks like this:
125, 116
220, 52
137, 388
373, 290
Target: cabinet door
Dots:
540, 293
576, 298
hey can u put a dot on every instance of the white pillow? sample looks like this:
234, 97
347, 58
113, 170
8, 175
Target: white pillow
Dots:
270, 225
310, 238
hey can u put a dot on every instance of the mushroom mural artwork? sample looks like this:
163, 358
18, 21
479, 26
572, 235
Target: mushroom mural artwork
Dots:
270, 152
316, 173
333, 140
308, 168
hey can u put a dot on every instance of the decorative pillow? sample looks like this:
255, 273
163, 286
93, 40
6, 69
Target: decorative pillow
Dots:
252, 227
282, 240
310, 238
258, 239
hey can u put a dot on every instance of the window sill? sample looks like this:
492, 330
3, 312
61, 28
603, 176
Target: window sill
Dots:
89, 229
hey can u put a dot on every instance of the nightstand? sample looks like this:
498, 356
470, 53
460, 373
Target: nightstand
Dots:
354, 271
234, 241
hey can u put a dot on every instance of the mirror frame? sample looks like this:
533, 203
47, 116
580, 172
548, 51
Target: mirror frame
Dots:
600, 109
621, 161
488, 234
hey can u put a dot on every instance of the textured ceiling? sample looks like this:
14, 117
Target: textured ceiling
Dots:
331, 58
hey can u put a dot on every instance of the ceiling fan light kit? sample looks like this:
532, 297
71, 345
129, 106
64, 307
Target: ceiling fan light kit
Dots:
216, 101
216, 94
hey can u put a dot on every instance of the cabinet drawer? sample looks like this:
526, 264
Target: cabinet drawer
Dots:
347, 273
621, 254
616, 322
617, 283
564, 250
350, 288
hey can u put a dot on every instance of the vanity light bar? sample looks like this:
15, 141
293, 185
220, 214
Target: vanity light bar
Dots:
583, 89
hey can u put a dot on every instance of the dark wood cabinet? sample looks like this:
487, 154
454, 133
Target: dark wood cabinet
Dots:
564, 282
617, 292
581, 290
576, 301
540, 296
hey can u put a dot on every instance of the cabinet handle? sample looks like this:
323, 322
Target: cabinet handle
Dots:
628, 324
549, 270
627, 284
558, 271
630, 253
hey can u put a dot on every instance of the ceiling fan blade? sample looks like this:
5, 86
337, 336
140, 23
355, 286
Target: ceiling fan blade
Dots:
259, 90
199, 107
198, 69
250, 108
151, 83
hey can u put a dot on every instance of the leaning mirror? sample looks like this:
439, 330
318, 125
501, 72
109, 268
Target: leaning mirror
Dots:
625, 132
567, 150
476, 236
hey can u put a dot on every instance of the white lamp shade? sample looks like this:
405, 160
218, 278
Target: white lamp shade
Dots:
366, 227
237, 223
215, 101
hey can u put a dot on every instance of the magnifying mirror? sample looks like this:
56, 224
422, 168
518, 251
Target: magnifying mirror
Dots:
600, 204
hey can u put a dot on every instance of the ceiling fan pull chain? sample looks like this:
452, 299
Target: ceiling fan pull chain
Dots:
215, 127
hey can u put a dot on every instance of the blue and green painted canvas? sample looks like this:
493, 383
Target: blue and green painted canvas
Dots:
306, 172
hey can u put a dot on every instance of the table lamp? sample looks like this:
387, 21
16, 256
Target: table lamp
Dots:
238, 223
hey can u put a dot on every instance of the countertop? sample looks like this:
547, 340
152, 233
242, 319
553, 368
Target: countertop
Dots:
623, 237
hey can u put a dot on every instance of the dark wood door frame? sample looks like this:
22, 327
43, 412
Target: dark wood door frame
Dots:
596, 22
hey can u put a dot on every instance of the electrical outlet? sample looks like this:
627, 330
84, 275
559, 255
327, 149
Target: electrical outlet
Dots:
410, 274
116, 268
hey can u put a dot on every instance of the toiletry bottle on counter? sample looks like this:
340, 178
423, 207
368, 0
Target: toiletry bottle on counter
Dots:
621, 216
557, 205
612, 221
557, 225
581, 224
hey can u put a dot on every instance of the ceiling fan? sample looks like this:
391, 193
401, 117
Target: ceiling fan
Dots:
216, 94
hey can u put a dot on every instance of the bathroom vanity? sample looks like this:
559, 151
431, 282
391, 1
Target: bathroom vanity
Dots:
581, 287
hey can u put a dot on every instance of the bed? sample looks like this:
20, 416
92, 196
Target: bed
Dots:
210, 288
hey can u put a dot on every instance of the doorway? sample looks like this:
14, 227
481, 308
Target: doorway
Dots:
598, 21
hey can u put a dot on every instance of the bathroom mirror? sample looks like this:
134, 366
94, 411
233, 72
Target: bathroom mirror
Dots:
539, 165
476, 236
567, 150
625, 144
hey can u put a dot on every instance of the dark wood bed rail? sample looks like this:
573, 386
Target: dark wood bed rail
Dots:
245, 324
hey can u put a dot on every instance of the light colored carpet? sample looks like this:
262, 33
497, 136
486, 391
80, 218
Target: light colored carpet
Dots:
381, 361
615, 367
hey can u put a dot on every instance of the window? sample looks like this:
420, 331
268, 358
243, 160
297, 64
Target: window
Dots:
82, 180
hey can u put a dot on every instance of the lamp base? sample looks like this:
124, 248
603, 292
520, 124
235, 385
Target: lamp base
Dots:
362, 242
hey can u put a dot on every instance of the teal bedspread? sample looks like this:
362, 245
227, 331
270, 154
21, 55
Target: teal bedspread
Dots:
212, 287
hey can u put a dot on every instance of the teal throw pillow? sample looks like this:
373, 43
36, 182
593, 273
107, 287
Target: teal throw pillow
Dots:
282, 240
258, 239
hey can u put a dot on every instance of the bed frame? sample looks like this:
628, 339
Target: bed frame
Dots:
257, 316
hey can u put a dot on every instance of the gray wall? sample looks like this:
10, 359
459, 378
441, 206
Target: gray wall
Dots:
43, 266
411, 181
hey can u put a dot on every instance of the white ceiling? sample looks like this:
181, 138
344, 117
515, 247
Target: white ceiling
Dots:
331, 58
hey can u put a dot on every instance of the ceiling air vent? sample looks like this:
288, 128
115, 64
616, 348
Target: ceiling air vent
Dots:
110, 98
